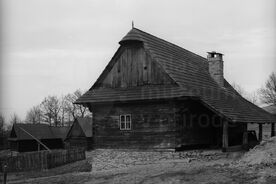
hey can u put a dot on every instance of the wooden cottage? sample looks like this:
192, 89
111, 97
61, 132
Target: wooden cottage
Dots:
23, 137
156, 95
80, 134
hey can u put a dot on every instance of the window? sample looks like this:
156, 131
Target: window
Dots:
125, 122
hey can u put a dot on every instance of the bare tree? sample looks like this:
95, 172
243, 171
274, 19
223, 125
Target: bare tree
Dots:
82, 111
238, 88
69, 107
64, 114
34, 115
15, 119
57, 111
75, 110
51, 108
268, 92
252, 97
2, 122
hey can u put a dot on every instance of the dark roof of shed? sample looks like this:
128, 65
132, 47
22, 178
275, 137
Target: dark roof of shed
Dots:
39, 131
271, 109
60, 132
190, 72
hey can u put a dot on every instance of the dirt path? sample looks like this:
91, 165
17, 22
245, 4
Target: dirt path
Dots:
122, 167
163, 172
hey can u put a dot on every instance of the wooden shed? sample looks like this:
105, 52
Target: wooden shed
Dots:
80, 134
23, 137
267, 130
156, 95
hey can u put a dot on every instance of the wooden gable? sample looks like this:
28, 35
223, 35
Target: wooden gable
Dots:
13, 133
133, 66
76, 131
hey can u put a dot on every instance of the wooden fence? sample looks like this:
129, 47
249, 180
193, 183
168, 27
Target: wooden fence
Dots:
41, 160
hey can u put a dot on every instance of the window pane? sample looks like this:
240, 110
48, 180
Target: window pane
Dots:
127, 118
122, 125
122, 119
127, 125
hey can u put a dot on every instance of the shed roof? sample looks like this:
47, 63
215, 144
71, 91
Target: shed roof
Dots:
39, 131
60, 132
190, 72
271, 109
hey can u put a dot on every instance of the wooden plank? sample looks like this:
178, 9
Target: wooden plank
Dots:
234, 148
134, 67
272, 129
245, 137
245, 140
260, 131
225, 136
153, 125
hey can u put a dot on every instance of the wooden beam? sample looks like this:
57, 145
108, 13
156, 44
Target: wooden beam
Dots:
38, 141
225, 136
272, 129
234, 148
260, 132
245, 140
245, 137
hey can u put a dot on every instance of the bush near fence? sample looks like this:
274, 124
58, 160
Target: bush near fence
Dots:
41, 160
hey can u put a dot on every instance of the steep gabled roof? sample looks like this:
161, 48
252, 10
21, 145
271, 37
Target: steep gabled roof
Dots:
190, 72
85, 124
39, 131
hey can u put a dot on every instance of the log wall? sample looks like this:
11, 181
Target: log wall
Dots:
153, 125
162, 125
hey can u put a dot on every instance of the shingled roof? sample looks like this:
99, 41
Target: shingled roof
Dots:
39, 131
192, 78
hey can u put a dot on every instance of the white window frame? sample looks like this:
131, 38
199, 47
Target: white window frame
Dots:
125, 122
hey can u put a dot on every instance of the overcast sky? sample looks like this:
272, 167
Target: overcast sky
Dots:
53, 47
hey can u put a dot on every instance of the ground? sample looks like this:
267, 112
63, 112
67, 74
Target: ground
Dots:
197, 166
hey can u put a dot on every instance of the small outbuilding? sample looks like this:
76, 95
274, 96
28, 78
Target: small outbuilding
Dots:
267, 129
25, 137
80, 133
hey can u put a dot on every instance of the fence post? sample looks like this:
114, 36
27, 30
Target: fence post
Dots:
46, 160
5, 173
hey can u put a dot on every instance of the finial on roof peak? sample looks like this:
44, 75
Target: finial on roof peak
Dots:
132, 24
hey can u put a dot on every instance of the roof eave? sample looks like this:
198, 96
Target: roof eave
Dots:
136, 100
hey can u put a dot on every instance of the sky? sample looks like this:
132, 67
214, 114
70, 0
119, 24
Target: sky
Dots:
53, 47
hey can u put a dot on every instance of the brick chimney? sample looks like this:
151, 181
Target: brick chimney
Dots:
215, 62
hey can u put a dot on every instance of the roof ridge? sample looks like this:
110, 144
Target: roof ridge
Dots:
31, 124
169, 42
